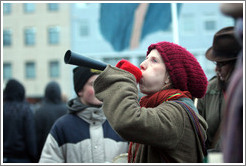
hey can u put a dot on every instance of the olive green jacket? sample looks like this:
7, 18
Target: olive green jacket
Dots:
165, 129
211, 107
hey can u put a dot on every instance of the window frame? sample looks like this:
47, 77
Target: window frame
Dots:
209, 17
29, 7
54, 65
27, 73
7, 33
10, 71
7, 8
84, 28
30, 36
54, 30
53, 7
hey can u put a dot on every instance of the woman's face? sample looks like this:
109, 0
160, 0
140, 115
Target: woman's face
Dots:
154, 73
87, 94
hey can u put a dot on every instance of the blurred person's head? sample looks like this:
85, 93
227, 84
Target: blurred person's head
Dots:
168, 65
224, 53
53, 92
84, 78
235, 10
14, 91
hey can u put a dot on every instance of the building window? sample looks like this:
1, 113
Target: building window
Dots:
54, 69
188, 23
53, 6
29, 7
84, 28
6, 8
30, 70
6, 38
7, 71
210, 25
209, 22
29, 36
54, 35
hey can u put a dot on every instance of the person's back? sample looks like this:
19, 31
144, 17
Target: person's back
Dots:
19, 139
83, 135
51, 109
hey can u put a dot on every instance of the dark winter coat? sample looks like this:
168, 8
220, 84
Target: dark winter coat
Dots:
19, 137
211, 109
51, 109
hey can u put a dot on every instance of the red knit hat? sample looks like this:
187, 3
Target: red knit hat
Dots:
184, 69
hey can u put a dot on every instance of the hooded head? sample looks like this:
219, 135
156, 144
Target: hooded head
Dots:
53, 92
14, 91
183, 68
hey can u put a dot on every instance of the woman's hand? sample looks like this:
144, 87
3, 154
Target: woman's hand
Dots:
127, 66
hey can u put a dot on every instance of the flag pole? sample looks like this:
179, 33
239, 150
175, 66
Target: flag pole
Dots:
175, 23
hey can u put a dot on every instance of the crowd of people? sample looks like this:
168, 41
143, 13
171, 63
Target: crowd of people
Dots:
107, 118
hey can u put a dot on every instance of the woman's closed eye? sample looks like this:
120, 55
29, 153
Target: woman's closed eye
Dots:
154, 60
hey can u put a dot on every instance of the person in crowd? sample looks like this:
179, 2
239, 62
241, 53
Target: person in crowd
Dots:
224, 53
50, 110
19, 137
164, 126
232, 123
83, 135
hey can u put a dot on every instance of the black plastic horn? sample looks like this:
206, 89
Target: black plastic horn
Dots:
80, 60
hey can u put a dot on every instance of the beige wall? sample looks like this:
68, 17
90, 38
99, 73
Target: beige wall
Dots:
41, 53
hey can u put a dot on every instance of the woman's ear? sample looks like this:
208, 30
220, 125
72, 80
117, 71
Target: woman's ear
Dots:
167, 79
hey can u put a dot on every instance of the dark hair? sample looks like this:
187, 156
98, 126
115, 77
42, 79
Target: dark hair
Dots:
14, 91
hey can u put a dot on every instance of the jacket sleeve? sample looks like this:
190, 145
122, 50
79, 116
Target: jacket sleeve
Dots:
160, 126
51, 152
201, 107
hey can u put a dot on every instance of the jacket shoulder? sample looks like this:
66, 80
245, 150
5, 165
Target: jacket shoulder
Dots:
65, 127
213, 86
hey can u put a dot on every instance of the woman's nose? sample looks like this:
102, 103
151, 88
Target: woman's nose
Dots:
142, 66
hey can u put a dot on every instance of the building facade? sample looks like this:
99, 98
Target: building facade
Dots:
35, 38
